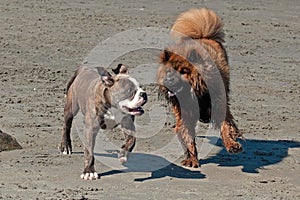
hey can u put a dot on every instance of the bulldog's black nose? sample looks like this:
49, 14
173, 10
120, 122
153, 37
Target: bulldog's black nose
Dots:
144, 96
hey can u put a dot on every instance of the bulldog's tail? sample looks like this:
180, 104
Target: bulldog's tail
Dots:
198, 24
71, 80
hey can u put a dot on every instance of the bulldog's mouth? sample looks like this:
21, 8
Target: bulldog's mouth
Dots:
138, 110
134, 107
134, 111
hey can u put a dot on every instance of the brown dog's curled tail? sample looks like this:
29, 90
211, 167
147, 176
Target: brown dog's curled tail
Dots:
197, 24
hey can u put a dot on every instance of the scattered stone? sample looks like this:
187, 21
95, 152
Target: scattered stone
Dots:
8, 142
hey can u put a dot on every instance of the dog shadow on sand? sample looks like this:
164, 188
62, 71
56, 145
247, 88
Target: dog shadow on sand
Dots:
257, 154
157, 165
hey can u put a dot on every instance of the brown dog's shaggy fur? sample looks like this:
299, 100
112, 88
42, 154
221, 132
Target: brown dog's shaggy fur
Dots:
184, 77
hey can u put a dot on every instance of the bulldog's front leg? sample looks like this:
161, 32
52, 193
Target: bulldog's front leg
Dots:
91, 129
128, 128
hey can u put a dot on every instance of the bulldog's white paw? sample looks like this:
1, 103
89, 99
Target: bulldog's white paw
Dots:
89, 176
123, 160
123, 156
65, 152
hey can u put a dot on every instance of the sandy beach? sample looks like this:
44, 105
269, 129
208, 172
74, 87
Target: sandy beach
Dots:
42, 43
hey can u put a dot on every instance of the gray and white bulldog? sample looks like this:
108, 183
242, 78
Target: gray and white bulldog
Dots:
98, 95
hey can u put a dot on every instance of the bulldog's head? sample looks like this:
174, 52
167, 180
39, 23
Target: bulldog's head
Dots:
126, 93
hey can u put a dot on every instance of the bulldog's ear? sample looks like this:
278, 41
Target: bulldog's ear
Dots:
165, 56
121, 69
107, 80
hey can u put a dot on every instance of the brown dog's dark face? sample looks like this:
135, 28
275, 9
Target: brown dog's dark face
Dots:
181, 81
176, 74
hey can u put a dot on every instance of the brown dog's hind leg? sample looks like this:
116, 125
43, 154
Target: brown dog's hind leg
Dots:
229, 134
70, 111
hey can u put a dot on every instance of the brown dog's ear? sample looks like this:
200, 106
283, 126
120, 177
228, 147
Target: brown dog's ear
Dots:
165, 56
121, 69
107, 80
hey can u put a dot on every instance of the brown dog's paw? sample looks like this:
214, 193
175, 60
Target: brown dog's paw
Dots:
190, 163
235, 148
89, 176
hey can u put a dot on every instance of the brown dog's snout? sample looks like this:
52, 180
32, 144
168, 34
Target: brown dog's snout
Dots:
171, 78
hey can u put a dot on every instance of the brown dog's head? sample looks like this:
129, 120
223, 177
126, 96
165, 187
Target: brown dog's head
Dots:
177, 74
181, 80
126, 93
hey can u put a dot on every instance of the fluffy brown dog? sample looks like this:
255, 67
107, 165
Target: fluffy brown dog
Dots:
188, 79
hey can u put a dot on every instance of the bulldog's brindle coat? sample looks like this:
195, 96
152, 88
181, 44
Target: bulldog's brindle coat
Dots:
98, 94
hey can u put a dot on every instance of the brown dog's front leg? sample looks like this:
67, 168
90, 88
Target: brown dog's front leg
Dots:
187, 138
127, 125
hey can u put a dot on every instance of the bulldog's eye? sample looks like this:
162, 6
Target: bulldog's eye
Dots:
129, 91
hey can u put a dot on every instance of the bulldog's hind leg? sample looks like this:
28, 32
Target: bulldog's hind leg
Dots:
70, 110
127, 125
